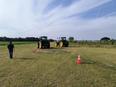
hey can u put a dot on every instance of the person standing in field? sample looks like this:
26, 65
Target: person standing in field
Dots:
10, 49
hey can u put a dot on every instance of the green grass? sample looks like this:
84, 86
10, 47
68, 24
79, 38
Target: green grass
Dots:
57, 67
4, 43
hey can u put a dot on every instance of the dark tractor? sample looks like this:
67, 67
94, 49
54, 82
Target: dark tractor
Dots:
63, 42
43, 43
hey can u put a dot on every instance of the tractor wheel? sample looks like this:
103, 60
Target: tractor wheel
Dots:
61, 44
67, 44
48, 46
40, 45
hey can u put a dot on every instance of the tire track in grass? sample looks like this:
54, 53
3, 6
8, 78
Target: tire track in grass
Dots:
98, 62
104, 69
102, 66
87, 60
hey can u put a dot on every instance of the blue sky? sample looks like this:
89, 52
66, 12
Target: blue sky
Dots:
82, 19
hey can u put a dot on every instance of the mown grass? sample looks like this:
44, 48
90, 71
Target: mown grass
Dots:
57, 67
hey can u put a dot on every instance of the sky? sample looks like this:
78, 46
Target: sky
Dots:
82, 19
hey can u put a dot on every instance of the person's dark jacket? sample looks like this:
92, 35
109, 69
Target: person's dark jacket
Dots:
10, 47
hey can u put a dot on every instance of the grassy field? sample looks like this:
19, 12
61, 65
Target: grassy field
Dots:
4, 43
57, 67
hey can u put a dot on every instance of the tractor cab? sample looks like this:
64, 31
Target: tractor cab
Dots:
43, 38
63, 38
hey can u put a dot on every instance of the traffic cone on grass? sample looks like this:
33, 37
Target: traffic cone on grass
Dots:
78, 61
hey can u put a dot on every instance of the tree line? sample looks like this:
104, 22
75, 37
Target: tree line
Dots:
19, 39
104, 40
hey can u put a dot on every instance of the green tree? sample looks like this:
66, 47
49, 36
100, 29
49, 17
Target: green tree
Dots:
105, 39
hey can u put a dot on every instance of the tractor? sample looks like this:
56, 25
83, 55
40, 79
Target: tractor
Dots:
43, 43
62, 42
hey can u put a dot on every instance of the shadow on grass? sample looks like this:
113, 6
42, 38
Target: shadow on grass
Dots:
54, 48
25, 58
86, 61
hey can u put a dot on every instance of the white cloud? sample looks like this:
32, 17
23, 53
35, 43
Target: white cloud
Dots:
27, 18
76, 8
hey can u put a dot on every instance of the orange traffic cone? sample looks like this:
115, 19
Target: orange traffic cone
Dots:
78, 61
